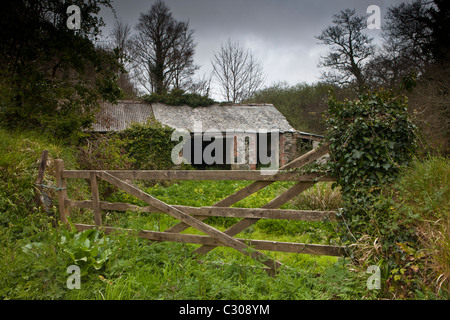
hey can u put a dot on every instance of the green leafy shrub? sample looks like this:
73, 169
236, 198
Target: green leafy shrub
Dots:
371, 140
150, 146
89, 249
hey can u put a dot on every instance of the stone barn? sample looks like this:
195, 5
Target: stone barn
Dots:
231, 136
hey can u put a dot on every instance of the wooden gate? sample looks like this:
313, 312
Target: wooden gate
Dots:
194, 216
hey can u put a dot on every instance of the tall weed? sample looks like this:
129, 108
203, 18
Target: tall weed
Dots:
322, 196
408, 232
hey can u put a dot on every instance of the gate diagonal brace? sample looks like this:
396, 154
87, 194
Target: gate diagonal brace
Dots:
227, 240
261, 184
247, 222
275, 203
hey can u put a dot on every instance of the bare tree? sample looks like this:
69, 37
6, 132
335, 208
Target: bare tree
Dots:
121, 37
163, 50
414, 41
421, 28
237, 72
409, 24
200, 85
350, 49
121, 41
389, 67
429, 102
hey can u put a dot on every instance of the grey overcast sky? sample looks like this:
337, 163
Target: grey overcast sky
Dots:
279, 33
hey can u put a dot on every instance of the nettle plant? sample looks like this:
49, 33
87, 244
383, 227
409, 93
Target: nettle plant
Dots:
371, 138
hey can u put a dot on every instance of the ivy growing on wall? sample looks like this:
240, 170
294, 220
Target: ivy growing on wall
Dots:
150, 145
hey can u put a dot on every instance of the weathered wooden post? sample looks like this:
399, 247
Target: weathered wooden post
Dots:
62, 191
95, 199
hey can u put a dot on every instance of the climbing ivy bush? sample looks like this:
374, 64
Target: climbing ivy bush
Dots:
149, 145
371, 138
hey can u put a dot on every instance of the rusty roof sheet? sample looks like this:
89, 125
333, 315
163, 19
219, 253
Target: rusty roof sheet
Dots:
117, 117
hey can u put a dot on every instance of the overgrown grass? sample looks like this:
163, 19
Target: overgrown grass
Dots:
206, 193
19, 159
425, 194
409, 232
35, 255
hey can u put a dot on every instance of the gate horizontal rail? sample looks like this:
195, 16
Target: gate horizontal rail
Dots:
200, 175
286, 214
291, 247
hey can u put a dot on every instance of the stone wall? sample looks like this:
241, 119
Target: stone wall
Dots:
288, 147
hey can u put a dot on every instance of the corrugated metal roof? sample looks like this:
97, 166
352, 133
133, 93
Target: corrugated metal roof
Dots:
249, 118
117, 117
